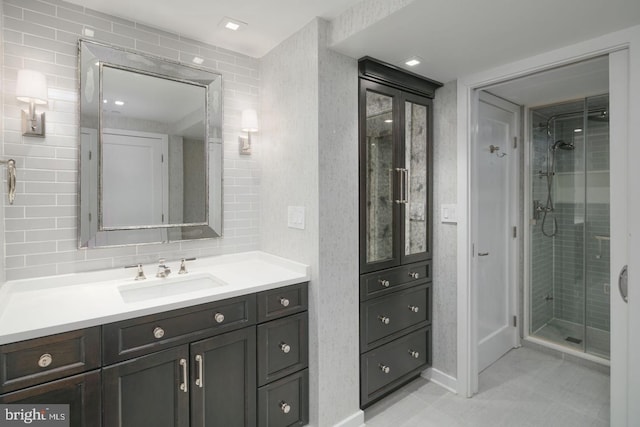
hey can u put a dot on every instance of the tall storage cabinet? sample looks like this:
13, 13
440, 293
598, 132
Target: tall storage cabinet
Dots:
396, 122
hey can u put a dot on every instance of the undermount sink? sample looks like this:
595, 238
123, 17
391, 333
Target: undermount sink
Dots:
159, 288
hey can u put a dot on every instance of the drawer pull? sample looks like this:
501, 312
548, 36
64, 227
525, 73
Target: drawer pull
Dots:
286, 348
414, 354
285, 407
219, 317
414, 308
158, 332
384, 368
183, 385
384, 319
200, 379
284, 302
414, 275
384, 283
45, 360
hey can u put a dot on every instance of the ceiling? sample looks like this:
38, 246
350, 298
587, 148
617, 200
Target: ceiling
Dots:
453, 37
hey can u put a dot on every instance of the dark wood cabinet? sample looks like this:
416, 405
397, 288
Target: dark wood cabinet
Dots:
396, 215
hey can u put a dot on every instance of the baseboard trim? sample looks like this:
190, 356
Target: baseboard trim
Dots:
442, 379
355, 420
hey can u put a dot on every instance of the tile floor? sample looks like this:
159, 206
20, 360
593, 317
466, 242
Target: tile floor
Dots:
525, 388
557, 330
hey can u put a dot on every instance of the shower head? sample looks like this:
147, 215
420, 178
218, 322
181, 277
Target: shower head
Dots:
560, 144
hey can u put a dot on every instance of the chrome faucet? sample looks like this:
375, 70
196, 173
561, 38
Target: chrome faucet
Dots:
183, 267
139, 273
163, 269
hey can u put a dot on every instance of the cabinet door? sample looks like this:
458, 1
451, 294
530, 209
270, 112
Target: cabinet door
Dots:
379, 177
416, 175
149, 391
224, 386
80, 392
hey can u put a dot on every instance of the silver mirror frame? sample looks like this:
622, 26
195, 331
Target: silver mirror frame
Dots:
89, 235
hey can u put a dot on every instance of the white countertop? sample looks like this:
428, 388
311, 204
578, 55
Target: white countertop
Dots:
33, 308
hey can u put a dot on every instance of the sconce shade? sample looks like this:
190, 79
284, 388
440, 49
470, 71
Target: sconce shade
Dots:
249, 121
31, 87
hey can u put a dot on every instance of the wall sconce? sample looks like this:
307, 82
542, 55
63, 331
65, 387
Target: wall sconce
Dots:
249, 124
32, 88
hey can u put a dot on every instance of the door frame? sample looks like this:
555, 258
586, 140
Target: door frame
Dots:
467, 104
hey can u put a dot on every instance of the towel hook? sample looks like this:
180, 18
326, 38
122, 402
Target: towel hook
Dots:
11, 178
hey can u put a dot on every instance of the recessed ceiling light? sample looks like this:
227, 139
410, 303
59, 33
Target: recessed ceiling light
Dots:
119, 103
104, 101
232, 24
413, 61
197, 60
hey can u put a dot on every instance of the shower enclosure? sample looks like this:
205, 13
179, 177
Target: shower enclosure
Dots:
569, 228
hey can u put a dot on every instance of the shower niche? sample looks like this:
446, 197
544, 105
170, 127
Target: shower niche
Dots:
569, 224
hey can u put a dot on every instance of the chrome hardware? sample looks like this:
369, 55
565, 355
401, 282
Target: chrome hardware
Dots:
158, 332
384, 368
183, 267
163, 269
286, 348
414, 354
200, 379
45, 360
384, 283
285, 407
139, 274
404, 185
284, 302
219, 317
384, 319
494, 149
623, 283
414, 308
405, 175
183, 385
414, 275
483, 253
11, 179
400, 200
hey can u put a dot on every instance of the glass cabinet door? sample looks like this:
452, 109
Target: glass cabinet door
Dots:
416, 186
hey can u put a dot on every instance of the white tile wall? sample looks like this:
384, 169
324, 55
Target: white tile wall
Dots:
41, 225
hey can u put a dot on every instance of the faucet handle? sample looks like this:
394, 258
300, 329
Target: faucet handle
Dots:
183, 266
139, 274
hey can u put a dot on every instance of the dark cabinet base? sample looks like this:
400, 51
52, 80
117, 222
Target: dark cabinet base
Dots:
285, 402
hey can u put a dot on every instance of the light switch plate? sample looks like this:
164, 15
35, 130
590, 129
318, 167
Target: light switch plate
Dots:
449, 214
295, 217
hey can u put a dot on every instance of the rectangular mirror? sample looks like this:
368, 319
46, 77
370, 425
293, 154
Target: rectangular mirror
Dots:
150, 149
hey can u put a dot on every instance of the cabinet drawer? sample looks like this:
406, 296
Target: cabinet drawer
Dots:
383, 317
389, 366
285, 402
143, 335
39, 360
382, 282
282, 302
282, 347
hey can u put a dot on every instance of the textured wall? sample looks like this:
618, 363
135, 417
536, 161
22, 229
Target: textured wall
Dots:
444, 235
41, 226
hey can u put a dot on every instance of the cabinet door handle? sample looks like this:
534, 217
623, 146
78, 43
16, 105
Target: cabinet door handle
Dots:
384, 319
401, 179
158, 332
414, 308
384, 368
285, 407
219, 317
284, 302
414, 354
45, 360
286, 348
384, 283
200, 362
405, 178
414, 275
183, 384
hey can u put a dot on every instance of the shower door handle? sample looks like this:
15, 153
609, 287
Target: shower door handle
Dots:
623, 284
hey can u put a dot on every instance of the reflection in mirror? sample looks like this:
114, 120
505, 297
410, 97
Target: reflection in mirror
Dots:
151, 149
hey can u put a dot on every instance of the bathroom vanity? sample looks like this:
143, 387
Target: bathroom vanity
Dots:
235, 354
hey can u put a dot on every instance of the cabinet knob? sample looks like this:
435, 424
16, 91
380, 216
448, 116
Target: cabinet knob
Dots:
284, 302
219, 317
285, 407
286, 348
414, 354
384, 368
158, 332
45, 360
414, 308
384, 319
384, 283
414, 275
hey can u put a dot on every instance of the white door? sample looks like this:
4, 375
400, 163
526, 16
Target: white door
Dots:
494, 189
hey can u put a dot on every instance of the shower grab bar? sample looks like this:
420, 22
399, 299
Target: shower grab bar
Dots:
11, 178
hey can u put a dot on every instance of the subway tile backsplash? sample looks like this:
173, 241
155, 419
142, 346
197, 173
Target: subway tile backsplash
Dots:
40, 228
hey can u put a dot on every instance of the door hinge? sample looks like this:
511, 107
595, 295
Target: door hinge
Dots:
90, 218
515, 142
515, 232
161, 158
89, 155
515, 321
163, 218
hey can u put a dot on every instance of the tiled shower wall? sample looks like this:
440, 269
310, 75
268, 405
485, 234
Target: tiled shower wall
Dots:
41, 225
